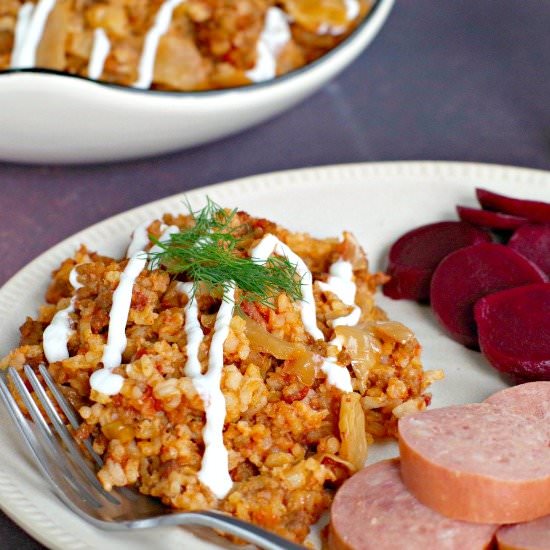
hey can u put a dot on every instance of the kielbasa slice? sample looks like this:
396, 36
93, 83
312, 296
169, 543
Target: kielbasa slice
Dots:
531, 400
533, 535
477, 462
374, 510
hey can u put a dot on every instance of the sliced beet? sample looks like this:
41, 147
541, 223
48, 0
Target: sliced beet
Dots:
514, 330
533, 242
415, 255
534, 211
470, 273
488, 219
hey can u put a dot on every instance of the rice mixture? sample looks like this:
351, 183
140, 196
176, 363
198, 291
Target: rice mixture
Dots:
205, 399
173, 44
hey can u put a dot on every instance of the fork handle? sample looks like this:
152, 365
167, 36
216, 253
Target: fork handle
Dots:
225, 523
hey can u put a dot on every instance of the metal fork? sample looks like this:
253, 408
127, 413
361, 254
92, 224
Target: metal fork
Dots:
73, 477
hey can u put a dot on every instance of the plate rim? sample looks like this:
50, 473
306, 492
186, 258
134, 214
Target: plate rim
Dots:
426, 167
32, 520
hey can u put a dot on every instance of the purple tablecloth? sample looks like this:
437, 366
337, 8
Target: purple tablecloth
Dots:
445, 80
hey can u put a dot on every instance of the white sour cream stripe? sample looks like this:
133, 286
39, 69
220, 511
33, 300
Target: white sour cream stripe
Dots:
214, 472
140, 239
73, 278
342, 279
337, 375
272, 245
29, 31
161, 25
118, 316
100, 51
107, 382
58, 332
352, 11
104, 380
340, 282
193, 331
21, 27
275, 35
164, 238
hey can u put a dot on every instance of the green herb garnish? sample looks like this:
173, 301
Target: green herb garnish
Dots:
211, 251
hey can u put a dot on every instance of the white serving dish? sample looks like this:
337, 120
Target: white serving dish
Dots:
48, 117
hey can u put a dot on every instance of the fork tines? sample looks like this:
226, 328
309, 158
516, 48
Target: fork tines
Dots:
51, 443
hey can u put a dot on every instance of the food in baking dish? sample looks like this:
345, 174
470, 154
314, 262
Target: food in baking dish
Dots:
173, 44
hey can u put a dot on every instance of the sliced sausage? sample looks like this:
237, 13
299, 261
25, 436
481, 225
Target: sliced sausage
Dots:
374, 510
533, 535
531, 400
477, 462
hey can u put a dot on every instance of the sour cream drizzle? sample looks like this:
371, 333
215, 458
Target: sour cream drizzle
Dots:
103, 380
165, 237
193, 331
272, 245
274, 37
340, 282
352, 11
214, 472
29, 28
57, 333
161, 25
100, 50
337, 375
140, 239
21, 26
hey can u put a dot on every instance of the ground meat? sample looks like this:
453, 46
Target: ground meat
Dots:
31, 332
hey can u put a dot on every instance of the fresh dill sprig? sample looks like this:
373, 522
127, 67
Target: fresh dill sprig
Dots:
210, 252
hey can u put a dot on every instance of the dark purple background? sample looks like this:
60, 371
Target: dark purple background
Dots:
461, 80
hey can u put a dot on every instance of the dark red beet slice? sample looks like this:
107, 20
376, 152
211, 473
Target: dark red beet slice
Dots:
534, 211
533, 242
415, 255
514, 330
468, 274
491, 220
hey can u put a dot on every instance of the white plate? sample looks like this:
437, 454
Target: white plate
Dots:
377, 202
54, 118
